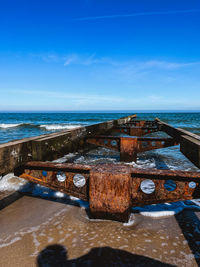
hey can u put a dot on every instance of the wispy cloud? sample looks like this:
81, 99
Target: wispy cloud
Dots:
165, 64
92, 59
69, 101
73, 59
78, 97
138, 14
87, 60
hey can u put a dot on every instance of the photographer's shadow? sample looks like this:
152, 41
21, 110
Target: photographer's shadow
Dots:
56, 256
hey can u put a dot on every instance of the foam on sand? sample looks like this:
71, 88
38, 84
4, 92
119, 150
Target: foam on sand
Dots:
167, 209
10, 182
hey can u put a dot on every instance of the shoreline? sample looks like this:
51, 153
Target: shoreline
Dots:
30, 224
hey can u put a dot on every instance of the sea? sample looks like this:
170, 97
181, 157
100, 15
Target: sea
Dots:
15, 125
146, 224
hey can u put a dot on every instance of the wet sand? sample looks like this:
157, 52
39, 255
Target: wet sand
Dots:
29, 225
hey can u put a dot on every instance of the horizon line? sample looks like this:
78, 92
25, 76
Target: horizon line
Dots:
114, 110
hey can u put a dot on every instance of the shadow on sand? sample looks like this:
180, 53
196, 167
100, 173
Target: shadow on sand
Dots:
56, 255
190, 226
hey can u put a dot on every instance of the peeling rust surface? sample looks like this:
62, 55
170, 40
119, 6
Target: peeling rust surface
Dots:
181, 180
111, 142
151, 143
110, 192
45, 174
128, 149
135, 131
142, 123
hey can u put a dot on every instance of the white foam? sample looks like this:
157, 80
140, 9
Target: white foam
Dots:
50, 127
73, 198
157, 214
196, 202
10, 242
144, 164
131, 221
9, 125
59, 194
65, 158
30, 230
166, 209
10, 182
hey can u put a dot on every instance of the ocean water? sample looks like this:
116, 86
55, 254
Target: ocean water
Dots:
19, 125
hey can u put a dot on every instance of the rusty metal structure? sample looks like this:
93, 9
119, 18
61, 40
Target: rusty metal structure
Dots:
112, 189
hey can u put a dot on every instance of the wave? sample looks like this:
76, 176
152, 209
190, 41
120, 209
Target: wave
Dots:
18, 125
9, 125
50, 127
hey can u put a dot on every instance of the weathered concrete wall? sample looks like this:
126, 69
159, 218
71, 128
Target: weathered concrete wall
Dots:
175, 132
50, 146
14, 153
189, 142
190, 147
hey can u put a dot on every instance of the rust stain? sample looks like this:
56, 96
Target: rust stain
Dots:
109, 192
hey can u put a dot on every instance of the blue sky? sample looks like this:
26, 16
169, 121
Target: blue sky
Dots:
100, 55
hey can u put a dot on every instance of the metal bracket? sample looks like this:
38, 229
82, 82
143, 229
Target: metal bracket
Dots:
130, 146
135, 131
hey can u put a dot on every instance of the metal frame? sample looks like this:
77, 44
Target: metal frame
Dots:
112, 189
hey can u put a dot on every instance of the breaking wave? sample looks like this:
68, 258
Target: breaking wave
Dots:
9, 125
48, 127
59, 126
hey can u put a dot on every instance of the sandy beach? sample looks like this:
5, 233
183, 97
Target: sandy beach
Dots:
38, 232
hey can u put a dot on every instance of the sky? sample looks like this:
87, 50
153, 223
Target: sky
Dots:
99, 55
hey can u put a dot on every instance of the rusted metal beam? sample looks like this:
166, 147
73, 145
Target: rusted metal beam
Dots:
110, 192
112, 189
128, 149
165, 186
151, 143
59, 177
129, 146
135, 131
142, 123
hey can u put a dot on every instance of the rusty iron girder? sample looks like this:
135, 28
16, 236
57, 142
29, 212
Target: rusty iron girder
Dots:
130, 146
46, 174
142, 123
135, 130
112, 189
